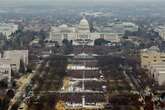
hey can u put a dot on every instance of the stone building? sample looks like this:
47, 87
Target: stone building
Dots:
79, 35
14, 57
154, 61
5, 73
8, 28
151, 56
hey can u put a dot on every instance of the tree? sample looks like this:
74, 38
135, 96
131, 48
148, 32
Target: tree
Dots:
92, 29
5, 102
65, 42
129, 33
0, 102
29, 70
10, 93
60, 106
3, 84
101, 41
22, 67
67, 46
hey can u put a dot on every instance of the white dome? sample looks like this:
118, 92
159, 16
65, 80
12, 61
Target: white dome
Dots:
84, 22
84, 25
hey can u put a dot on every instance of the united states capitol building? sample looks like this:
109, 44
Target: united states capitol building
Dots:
79, 34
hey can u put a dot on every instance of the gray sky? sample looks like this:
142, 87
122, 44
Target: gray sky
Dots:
72, 0
43, 2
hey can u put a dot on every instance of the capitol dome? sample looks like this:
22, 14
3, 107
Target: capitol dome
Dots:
84, 25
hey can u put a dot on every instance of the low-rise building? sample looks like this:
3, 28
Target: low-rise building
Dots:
35, 27
154, 61
158, 72
8, 28
119, 28
11, 60
5, 73
14, 57
151, 56
161, 31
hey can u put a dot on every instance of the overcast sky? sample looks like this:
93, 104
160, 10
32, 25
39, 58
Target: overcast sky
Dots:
72, 0
51, 2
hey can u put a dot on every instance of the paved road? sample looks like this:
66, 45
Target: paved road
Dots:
129, 80
66, 92
21, 90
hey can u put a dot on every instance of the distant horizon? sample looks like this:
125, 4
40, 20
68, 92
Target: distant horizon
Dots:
70, 2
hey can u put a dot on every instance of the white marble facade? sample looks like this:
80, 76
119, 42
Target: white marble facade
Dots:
80, 34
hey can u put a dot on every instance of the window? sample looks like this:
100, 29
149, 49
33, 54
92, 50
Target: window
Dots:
65, 36
145, 56
102, 36
162, 56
